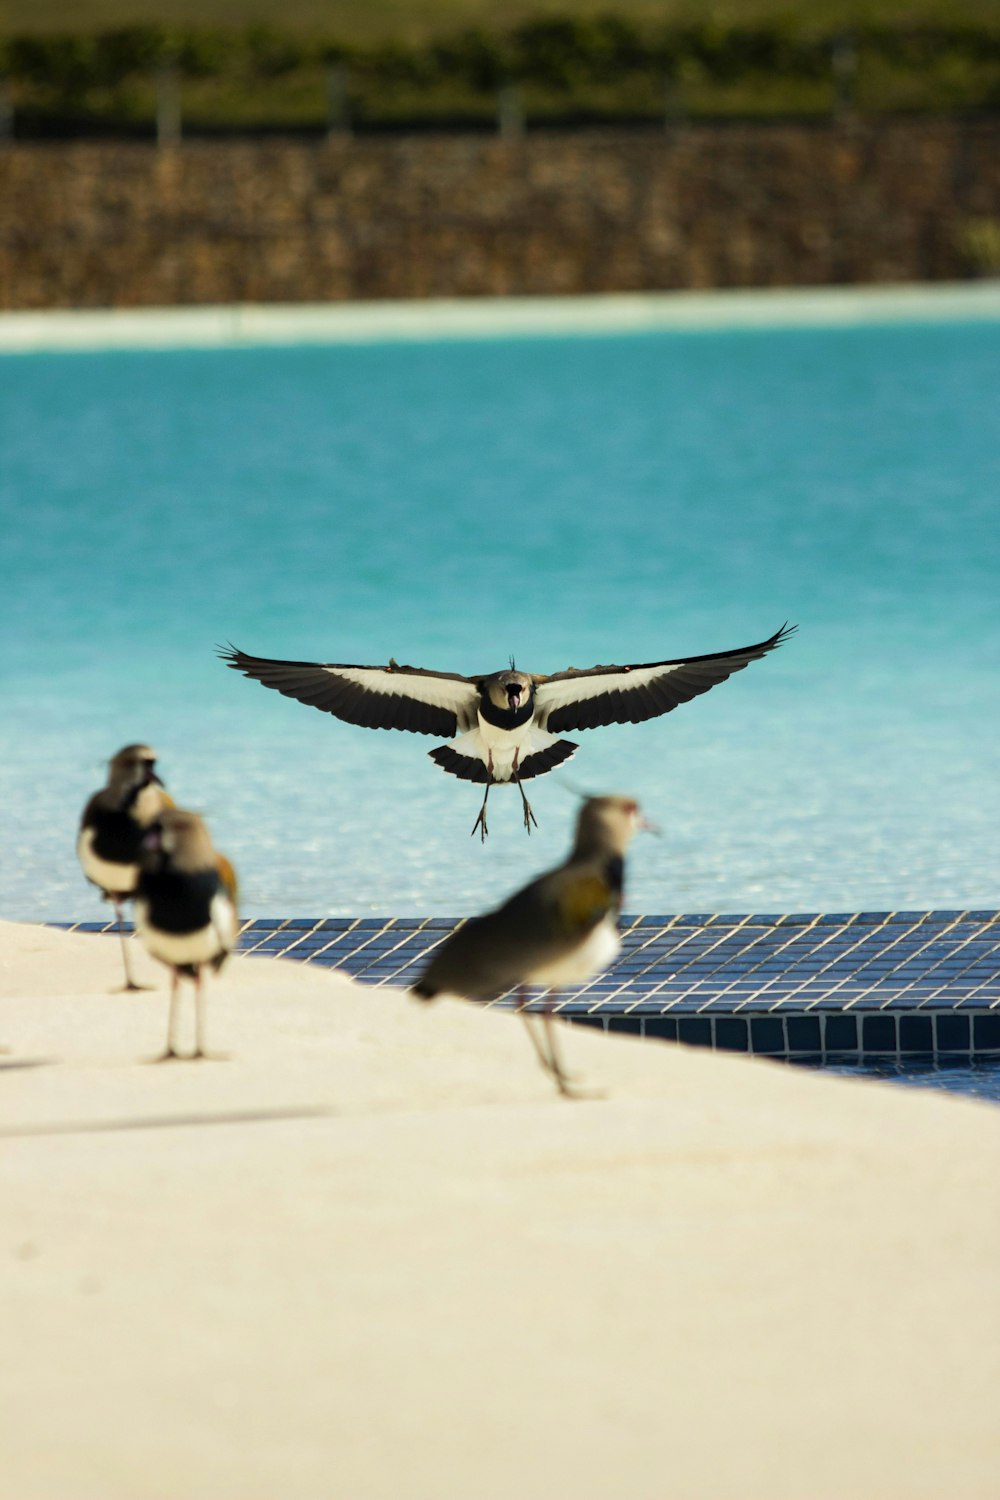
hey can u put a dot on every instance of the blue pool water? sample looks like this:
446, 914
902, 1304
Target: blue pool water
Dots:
565, 500
971, 1080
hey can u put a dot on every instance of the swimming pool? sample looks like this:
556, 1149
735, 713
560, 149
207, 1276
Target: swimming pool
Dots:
567, 500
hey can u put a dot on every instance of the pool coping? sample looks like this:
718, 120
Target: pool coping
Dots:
824, 987
246, 325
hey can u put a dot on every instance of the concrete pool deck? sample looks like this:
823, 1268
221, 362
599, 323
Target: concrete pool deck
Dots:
373, 1255
249, 324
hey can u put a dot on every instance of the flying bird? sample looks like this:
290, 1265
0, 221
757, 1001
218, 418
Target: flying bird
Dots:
185, 909
559, 930
112, 826
502, 726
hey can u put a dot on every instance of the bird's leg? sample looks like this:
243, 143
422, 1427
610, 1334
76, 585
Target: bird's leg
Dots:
548, 1055
480, 822
171, 1048
130, 983
199, 1014
529, 816
559, 1075
526, 1017
200, 1017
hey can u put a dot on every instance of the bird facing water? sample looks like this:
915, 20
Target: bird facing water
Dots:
559, 930
185, 909
112, 827
502, 726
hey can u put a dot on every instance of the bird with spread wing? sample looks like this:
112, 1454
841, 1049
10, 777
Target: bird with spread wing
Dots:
501, 726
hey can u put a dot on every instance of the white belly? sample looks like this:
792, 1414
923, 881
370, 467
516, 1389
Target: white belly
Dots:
200, 947
499, 746
117, 879
504, 744
593, 955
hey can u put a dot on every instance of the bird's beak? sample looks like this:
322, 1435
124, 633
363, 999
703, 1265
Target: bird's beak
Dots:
646, 825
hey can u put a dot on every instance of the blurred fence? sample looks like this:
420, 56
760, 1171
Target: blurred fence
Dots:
142, 80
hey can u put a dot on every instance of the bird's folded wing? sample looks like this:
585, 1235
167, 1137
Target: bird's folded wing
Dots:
587, 698
583, 900
390, 697
227, 875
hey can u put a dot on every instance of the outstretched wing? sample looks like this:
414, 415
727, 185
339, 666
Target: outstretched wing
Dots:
586, 698
391, 697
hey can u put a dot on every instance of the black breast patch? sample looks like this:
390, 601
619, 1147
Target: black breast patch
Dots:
116, 836
179, 903
505, 718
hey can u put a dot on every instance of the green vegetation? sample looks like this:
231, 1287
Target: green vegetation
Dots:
979, 241
361, 22
585, 65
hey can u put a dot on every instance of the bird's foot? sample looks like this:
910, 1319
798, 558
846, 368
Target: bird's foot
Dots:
131, 988
480, 823
169, 1055
567, 1089
529, 816
203, 1055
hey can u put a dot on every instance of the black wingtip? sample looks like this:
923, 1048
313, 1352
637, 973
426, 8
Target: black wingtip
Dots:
229, 653
780, 636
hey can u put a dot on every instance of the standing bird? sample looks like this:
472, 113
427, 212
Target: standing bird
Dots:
559, 930
185, 909
112, 826
506, 723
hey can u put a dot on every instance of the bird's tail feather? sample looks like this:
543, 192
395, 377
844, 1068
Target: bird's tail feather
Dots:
469, 768
462, 766
544, 760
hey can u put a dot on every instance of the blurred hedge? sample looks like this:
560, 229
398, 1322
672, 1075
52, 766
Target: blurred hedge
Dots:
609, 67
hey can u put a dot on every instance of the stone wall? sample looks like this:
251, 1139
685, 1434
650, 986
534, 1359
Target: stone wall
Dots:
126, 225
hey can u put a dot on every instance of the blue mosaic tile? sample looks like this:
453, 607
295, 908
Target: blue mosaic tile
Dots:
625, 1025
732, 1034
853, 978
767, 1035
986, 1031
916, 1033
841, 1033
953, 1033
879, 1034
695, 1031
662, 1027
804, 1033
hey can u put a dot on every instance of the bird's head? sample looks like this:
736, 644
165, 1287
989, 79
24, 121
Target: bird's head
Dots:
510, 690
607, 825
177, 840
131, 769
